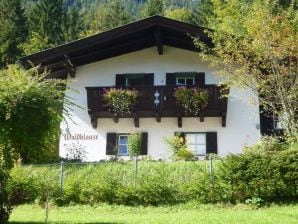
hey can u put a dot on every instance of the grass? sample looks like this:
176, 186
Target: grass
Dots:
207, 214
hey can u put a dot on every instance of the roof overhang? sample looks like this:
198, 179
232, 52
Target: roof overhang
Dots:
153, 31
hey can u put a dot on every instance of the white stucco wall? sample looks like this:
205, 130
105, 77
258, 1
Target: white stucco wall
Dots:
242, 119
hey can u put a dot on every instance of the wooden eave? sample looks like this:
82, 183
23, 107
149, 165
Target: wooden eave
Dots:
153, 31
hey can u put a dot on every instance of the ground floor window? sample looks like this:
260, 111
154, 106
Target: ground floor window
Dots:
123, 145
117, 144
196, 143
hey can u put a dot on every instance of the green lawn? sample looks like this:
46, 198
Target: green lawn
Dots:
207, 214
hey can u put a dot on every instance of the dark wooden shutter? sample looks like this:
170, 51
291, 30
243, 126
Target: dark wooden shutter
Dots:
211, 142
144, 143
171, 79
120, 80
111, 147
200, 78
149, 79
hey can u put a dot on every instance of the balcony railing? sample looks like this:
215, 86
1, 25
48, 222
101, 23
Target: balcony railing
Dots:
146, 105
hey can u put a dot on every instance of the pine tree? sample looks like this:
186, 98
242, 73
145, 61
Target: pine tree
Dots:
116, 15
45, 20
153, 7
73, 24
202, 12
13, 31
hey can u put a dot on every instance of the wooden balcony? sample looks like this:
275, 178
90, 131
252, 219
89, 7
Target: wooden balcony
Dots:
167, 106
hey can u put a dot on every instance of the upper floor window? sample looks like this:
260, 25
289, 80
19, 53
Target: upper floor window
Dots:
134, 79
185, 81
185, 78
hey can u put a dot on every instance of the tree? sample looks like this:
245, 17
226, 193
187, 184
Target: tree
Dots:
13, 31
202, 12
97, 21
152, 7
116, 15
45, 21
73, 24
30, 113
255, 46
180, 14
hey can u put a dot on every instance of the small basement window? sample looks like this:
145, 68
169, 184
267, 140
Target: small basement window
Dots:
196, 143
123, 145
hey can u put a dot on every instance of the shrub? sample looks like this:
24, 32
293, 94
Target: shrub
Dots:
179, 148
268, 175
135, 144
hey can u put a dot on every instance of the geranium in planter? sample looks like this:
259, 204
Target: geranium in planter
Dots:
120, 101
192, 100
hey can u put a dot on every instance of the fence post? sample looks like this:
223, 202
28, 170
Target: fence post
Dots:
61, 176
135, 170
212, 179
211, 168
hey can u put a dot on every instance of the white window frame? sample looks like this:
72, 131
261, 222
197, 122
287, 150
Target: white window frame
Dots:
118, 144
277, 122
185, 78
197, 144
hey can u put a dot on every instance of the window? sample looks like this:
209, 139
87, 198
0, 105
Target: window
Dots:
185, 81
196, 143
277, 121
134, 80
117, 144
123, 145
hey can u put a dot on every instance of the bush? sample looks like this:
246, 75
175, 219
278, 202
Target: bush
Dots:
179, 148
267, 170
266, 174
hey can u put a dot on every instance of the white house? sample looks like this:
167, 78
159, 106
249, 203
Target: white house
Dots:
153, 56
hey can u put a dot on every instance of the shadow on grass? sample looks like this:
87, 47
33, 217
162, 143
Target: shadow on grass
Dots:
65, 222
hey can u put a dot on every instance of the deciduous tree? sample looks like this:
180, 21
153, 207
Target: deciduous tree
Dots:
255, 46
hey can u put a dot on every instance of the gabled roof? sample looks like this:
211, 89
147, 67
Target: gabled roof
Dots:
149, 32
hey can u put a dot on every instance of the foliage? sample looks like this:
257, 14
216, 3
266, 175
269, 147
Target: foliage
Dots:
179, 148
260, 37
202, 12
45, 20
13, 31
257, 202
73, 24
267, 174
75, 152
152, 8
5, 165
115, 15
191, 99
30, 113
120, 101
135, 144
180, 14
51, 24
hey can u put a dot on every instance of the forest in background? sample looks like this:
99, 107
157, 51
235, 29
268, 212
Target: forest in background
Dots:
29, 26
